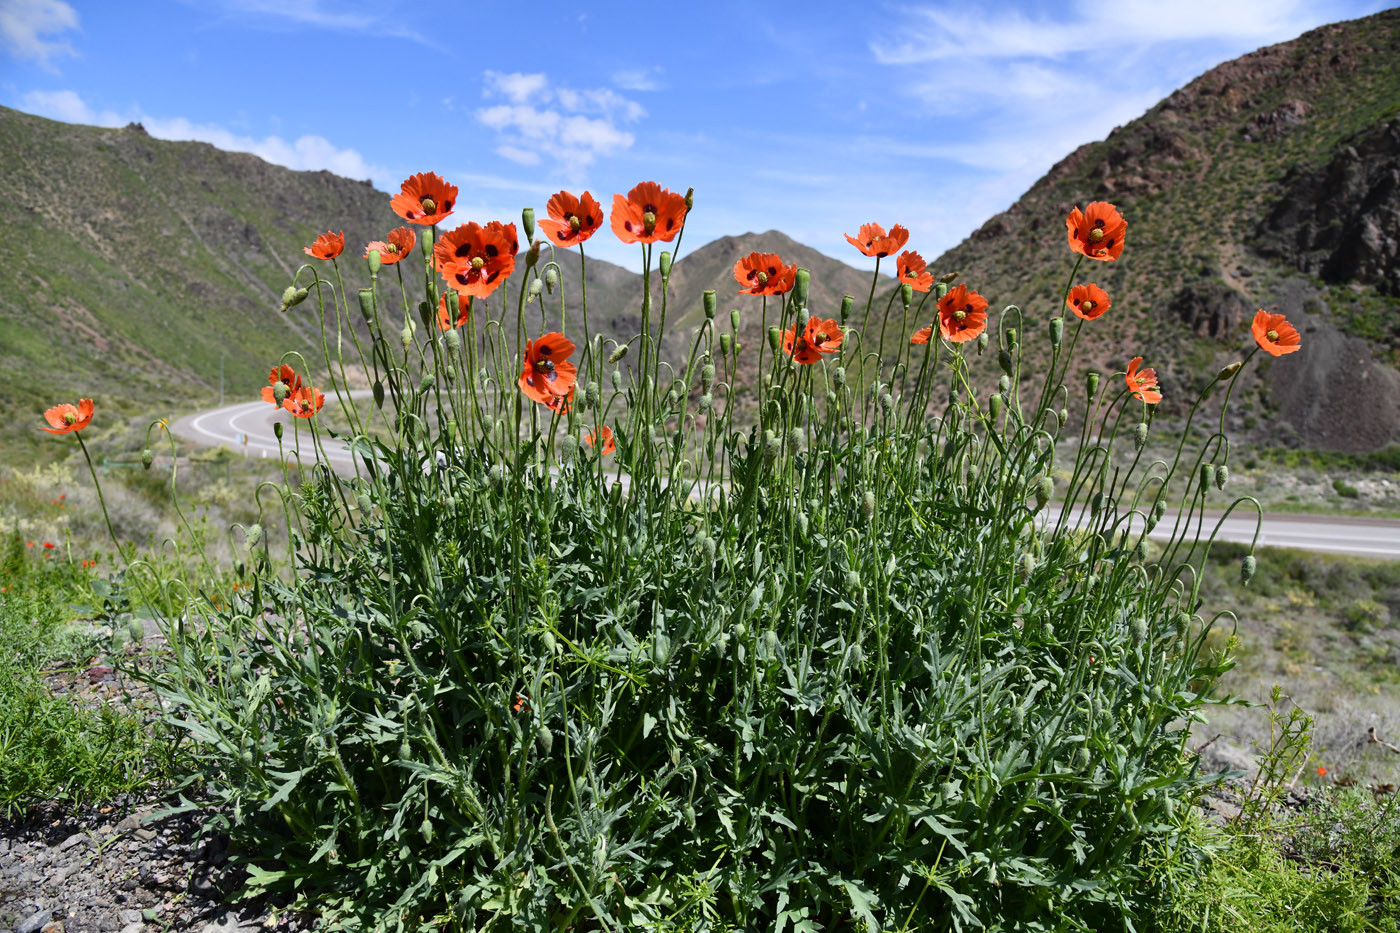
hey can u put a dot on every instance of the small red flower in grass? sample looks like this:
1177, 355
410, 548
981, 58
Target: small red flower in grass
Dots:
911, 269
1143, 384
962, 315
69, 417
571, 219
764, 274
605, 434
48, 546
1321, 771
520, 704
547, 374
1088, 301
398, 244
327, 246
874, 241
476, 260
649, 213
446, 319
424, 199
305, 402
1274, 334
1097, 231
285, 375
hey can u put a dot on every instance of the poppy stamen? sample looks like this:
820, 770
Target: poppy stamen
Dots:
959, 316
1095, 235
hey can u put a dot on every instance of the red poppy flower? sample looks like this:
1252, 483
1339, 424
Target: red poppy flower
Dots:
547, 373
397, 245
305, 402
69, 417
606, 435
826, 335
1274, 334
520, 704
327, 246
560, 404
284, 374
764, 274
874, 241
1143, 383
1097, 232
1088, 301
446, 321
475, 260
48, 545
424, 199
911, 269
923, 335
962, 315
571, 219
649, 213
1321, 771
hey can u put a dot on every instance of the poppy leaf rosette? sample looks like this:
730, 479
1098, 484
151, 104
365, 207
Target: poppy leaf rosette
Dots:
764, 274
649, 213
962, 315
475, 260
289, 380
1274, 334
397, 245
604, 436
1097, 231
327, 246
571, 219
547, 374
424, 199
1088, 301
68, 417
447, 318
911, 270
305, 402
1142, 383
873, 241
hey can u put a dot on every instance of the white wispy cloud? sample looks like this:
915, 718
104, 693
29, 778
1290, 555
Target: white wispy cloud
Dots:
638, 79
571, 127
367, 17
25, 23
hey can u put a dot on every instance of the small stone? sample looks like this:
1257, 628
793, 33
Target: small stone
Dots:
134, 928
55, 927
130, 916
34, 922
76, 839
144, 835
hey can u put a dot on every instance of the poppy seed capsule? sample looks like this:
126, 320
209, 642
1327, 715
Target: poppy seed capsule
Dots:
800, 286
726, 343
527, 220
1011, 337
1091, 383
1222, 476
906, 295
707, 299
372, 259
1140, 435
847, 303
1207, 476
1008, 365
366, 296
940, 290
1228, 371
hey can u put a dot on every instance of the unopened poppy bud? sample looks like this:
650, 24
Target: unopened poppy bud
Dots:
1091, 383
378, 391
994, 405
726, 343
887, 403
1140, 435
803, 523
847, 303
618, 353
665, 263
367, 303
852, 582
707, 547
982, 340
689, 199
734, 320
1222, 476
707, 299
293, 296
536, 286
277, 429
426, 314
948, 278
707, 376
591, 394
1025, 566
1140, 552
568, 446
1248, 566
1018, 719
1138, 629
838, 377
775, 338
939, 290
800, 286
253, 535
1057, 331
527, 221
867, 505
147, 457
406, 335
1207, 476
772, 445
544, 740
1044, 489
1096, 504
1229, 371
551, 279
280, 391
617, 379
1004, 385
906, 295
1064, 415
425, 383
1008, 365
755, 600
532, 255
372, 258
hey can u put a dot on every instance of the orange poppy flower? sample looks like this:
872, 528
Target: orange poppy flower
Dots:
396, 246
606, 435
1097, 232
764, 274
1143, 383
327, 246
911, 269
69, 417
305, 402
648, 213
1088, 301
962, 315
923, 335
464, 309
874, 241
283, 373
571, 219
424, 199
1274, 334
826, 335
560, 404
475, 260
547, 374
797, 346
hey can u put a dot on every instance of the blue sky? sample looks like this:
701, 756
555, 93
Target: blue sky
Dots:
808, 117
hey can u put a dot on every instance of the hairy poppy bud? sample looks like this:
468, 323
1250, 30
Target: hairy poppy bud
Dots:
1229, 371
775, 338
982, 340
707, 376
280, 391
847, 303
1207, 476
536, 286
1044, 489
838, 377
364, 504
618, 352
689, 199
277, 429
665, 264
1091, 383
568, 446
852, 582
617, 379
772, 445
994, 405
551, 279
367, 304
1140, 435
406, 335
707, 547
867, 505
373, 260
1004, 385
591, 394
1222, 476
532, 255
705, 402
755, 600
948, 278
1025, 566
1057, 331
940, 290
906, 295
1064, 415
293, 296
544, 740
497, 475
1248, 566
887, 403
802, 523
147, 458
726, 343
1140, 552
1008, 365
1018, 719
252, 536
1011, 338
707, 299
527, 221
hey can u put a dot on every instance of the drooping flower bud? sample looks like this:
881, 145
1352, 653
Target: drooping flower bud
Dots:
689, 199
1011, 337
705, 402
451, 341
1004, 385
277, 429
1228, 371
1064, 415
1008, 365
532, 255
982, 340
367, 304
568, 446
867, 505
838, 377
1222, 476
665, 264
1057, 331
1025, 566
707, 377
527, 222
544, 740
591, 394
618, 352
852, 582
1248, 566
406, 335
293, 296
1140, 435
252, 536
1096, 504
1044, 489
617, 379
536, 286
280, 391
886, 403
147, 458
551, 279
994, 405
378, 391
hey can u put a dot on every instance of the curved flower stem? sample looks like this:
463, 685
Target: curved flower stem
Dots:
100, 498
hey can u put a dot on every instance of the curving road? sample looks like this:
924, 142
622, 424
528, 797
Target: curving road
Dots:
247, 428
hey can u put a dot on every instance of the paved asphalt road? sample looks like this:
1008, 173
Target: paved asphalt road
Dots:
247, 428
